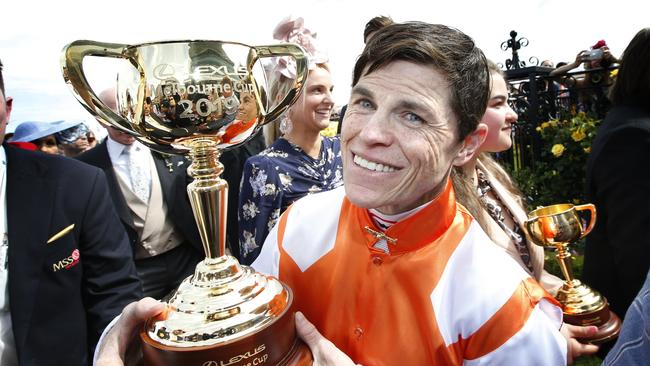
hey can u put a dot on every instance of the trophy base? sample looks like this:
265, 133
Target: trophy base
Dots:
299, 355
276, 344
608, 323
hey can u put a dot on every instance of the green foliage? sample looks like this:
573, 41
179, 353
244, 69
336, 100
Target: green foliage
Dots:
588, 361
559, 174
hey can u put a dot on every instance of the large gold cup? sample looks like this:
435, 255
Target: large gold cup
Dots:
558, 226
182, 97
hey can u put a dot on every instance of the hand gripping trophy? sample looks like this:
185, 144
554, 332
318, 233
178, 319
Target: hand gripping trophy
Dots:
557, 226
175, 97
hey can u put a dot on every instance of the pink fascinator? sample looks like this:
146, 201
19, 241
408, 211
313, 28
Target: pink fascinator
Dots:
293, 30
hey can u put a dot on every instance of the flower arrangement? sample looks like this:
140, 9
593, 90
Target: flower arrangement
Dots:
559, 174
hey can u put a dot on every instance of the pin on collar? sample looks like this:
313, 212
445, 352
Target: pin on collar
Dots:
379, 235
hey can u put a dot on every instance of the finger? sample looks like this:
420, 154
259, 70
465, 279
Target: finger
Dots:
308, 332
576, 331
324, 352
581, 349
133, 316
137, 312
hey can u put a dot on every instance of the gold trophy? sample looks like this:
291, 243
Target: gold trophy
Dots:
182, 97
557, 226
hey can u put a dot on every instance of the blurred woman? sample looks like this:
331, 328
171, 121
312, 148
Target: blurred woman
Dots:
41, 135
74, 140
298, 163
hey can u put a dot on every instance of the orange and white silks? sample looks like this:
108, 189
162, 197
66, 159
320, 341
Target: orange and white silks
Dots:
445, 295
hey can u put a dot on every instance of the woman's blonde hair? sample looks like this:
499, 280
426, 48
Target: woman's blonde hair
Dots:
272, 130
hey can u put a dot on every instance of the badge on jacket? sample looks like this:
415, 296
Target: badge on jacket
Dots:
67, 262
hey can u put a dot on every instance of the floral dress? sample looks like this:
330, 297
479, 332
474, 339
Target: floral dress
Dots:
276, 178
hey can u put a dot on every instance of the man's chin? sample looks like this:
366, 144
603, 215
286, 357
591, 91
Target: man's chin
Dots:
362, 197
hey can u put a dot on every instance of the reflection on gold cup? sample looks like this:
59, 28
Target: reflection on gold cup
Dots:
182, 97
557, 226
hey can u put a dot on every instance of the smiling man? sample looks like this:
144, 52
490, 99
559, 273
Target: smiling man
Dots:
389, 268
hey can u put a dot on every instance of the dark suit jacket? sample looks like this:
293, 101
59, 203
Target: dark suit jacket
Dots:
617, 255
63, 294
173, 185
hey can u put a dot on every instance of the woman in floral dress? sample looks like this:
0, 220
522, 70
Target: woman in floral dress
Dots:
300, 162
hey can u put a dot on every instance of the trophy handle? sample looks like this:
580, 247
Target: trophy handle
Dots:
73, 74
302, 70
592, 220
530, 228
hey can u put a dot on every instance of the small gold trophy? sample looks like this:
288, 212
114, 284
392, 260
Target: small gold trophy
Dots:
557, 226
183, 97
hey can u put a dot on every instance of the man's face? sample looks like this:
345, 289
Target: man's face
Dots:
5, 113
247, 109
119, 136
399, 138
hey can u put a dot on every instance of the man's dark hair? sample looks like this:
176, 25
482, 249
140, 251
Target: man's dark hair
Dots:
447, 50
632, 86
2, 80
374, 25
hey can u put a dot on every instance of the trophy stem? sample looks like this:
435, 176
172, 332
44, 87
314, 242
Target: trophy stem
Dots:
564, 259
208, 196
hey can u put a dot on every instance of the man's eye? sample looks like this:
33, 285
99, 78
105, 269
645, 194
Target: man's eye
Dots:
413, 118
365, 103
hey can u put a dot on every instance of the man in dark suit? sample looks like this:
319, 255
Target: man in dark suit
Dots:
617, 253
160, 224
66, 269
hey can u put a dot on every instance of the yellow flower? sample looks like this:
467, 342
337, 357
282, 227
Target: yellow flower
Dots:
587, 149
330, 131
538, 129
578, 135
557, 150
544, 125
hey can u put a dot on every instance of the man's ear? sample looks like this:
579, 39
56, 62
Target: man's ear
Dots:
471, 145
9, 102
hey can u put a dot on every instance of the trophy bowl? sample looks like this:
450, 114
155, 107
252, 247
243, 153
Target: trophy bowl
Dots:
198, 98
557, 226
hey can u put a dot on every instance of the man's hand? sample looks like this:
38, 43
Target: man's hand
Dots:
325, 352
113, 348
575, 348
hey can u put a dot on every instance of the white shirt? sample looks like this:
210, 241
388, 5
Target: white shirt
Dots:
121, 161
8, 355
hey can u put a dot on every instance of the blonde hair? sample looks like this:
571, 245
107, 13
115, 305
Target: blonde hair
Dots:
467, 192
272, 129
